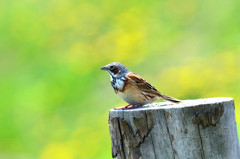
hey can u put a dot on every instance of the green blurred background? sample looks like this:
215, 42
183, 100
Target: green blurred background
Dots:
54, 100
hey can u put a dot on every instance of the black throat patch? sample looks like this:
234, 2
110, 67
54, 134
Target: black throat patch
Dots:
114, 83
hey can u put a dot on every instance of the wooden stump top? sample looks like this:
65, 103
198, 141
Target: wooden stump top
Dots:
182, 104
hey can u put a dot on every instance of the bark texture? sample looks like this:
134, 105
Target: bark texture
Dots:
193, 129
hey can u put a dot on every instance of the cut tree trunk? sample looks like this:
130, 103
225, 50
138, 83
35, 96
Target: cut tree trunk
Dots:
192, 129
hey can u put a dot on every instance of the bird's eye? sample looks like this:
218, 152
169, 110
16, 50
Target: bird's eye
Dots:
111, 67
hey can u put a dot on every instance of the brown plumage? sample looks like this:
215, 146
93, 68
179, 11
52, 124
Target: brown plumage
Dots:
132, 88
146, 92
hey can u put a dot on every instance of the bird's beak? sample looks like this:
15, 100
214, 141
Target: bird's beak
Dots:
104, 68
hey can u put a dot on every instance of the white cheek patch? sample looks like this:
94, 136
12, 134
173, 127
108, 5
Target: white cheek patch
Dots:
112, 74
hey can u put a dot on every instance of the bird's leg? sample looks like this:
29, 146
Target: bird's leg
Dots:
135, 106
122, 108
129, 106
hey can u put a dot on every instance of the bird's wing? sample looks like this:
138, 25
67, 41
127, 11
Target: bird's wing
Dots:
145, 87
148, 90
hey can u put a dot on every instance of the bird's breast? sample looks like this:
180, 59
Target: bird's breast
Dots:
132, 95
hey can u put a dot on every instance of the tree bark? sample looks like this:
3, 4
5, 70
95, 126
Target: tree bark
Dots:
192, 129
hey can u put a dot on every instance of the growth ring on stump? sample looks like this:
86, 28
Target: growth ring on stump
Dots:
192, 129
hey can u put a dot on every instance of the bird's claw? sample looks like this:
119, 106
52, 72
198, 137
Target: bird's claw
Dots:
129, 106
122, 108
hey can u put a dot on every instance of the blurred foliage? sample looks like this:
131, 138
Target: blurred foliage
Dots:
54, 98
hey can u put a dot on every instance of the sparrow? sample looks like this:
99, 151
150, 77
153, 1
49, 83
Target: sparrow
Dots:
132, 88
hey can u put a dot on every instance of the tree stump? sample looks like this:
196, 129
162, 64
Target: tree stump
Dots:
192, 129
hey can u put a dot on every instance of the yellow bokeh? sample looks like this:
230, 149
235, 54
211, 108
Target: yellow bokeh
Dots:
57, 151
54, 99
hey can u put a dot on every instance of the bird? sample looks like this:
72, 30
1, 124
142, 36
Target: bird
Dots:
132, 88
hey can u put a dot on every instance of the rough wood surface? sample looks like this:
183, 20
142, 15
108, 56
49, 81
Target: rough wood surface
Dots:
193, 129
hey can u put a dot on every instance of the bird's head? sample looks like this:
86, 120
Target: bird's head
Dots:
116, 69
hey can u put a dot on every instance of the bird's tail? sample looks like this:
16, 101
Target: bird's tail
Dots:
170, 99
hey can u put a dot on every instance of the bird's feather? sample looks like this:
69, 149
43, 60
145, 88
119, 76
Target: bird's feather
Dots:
148, 90
142, 84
